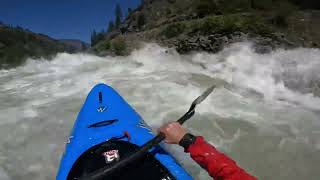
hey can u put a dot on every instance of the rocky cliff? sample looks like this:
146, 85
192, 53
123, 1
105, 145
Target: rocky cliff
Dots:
209, 25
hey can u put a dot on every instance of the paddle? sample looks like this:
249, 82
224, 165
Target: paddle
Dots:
153, 142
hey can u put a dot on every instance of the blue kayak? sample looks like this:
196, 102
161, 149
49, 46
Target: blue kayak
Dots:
108, 129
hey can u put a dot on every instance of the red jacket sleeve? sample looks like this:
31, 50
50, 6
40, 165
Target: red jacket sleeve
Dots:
218, 165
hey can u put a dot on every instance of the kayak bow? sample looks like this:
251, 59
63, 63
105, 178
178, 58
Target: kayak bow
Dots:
104, 172
108, 130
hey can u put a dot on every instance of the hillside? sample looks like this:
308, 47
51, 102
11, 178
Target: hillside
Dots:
17, 44
75, 45
209, 25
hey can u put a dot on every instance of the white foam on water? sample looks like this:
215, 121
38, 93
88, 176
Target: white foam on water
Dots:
263, 114
3, 175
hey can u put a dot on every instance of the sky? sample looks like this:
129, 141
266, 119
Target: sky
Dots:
62, 19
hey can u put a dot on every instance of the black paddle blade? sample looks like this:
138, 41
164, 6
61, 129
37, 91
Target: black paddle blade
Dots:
204, 95
192, 108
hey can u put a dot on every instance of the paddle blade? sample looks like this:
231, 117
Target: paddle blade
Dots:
204, 95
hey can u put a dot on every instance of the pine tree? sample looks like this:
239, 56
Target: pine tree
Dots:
118, 14
93, 38
110, 26
141, 20
129, 10
96, 37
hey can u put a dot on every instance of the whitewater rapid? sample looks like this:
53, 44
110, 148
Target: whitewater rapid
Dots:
265, 112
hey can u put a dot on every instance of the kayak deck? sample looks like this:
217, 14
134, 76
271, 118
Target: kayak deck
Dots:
104, 117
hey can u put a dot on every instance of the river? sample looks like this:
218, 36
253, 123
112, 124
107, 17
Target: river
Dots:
265, 112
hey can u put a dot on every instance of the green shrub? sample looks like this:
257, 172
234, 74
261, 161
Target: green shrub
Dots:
174, 30
141, 20
280, 20
205, 7
233, 6
281, 13
168, 11
262, 4
220, 24
119, 46
257, 25
103, 46
211, 24
230, 23
106, 45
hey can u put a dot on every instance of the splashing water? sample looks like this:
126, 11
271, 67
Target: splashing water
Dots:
265, 113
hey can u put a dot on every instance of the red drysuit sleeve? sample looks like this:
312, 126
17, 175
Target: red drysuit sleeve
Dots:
218, 165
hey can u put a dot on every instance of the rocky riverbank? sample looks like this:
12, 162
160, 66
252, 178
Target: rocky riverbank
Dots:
188, 25
215, 42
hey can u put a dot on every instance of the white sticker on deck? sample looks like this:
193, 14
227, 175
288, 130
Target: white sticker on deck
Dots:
111, 156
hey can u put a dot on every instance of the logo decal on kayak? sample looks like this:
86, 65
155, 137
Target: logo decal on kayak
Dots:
111, 156
101, 109
144, 125
69, 140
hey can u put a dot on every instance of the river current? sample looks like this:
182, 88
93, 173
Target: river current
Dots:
264, 113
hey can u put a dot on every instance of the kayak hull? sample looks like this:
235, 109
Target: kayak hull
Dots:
105, 115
